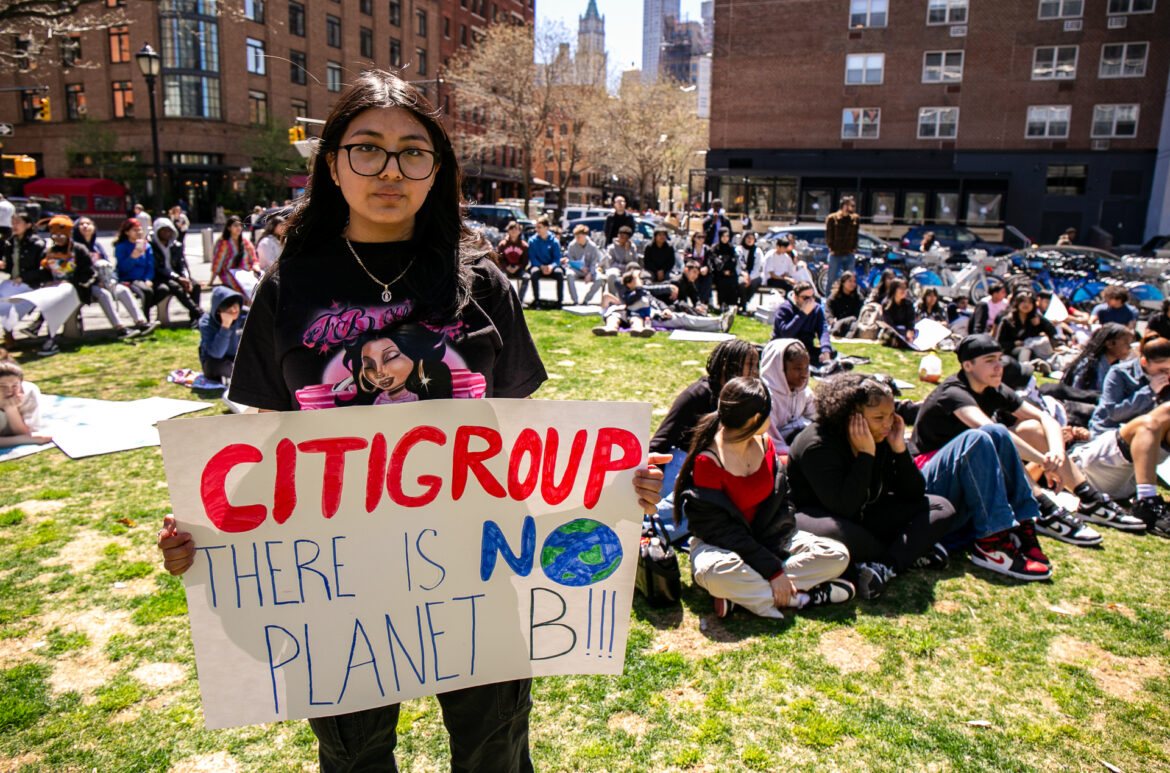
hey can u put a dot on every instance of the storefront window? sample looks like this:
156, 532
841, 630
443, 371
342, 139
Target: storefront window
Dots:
882, 205
914, 208
984, 208
946, 206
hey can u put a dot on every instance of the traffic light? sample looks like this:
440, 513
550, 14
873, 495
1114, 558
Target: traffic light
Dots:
296, 134
18, 166
46, 111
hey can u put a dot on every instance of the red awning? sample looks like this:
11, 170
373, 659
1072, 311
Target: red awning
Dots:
78, 186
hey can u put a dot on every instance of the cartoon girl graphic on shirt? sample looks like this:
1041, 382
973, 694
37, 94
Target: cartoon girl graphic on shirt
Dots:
397, 364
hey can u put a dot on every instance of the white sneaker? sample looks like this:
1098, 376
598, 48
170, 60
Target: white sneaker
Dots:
1109, 513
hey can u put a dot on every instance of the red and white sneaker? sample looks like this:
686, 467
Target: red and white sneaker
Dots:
999, 553
1024, 537
723, 607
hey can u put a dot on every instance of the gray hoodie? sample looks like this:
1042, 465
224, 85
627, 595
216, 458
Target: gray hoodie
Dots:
791, 412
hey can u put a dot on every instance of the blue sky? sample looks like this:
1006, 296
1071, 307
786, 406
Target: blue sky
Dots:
623, 25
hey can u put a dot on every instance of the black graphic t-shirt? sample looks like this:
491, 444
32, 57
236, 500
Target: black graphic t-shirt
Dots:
319, 335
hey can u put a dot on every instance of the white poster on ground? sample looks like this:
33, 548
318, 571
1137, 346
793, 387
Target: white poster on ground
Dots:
356, 557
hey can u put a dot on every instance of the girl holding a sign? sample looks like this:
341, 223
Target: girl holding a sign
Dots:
377, 243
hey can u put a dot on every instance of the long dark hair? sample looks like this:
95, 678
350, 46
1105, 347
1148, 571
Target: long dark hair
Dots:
892, 293
1094, 350
270, 226
839, 285
744, 406
1017, 299
124, 230
227, 229
839, 396
418, 343
440, 279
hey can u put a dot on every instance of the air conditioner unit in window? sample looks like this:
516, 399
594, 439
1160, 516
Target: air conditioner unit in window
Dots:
1100, 145
1073, 25
959, 31
1118, 22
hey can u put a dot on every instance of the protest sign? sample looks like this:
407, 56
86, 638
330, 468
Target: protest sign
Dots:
356, 557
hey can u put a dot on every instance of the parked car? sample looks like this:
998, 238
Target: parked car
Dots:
1157, 247
578, 211
498, 216
643, 230
958, 239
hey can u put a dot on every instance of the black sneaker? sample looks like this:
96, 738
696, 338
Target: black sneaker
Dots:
1151, 510
935, 558
998, 553
836, 591
49, 349
872, 579
1109, 513
1062, 525
1161, 527
1024, 538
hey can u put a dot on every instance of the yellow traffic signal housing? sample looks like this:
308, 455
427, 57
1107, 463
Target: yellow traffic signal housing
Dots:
46, 111
18, 166
296, 134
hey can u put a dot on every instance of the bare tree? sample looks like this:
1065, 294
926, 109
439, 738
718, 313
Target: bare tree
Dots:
574, 145
39, 28
653, 132
508, 96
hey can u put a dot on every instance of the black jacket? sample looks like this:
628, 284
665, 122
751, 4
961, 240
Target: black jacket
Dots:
614, 222
32, 250
1012, 331
824, 473
843, 306
763, 543
656, 258
900, 315
712, 225
692, 404
724, 259
169, 262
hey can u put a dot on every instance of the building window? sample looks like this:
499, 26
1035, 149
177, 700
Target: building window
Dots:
296, 19
422, 23
942, 67
463, 34
1054, 63
333, 31
115, 3
860, 123
366, 42
1061, 9
1131, 6
255, 54
1048, 121
333, 76
1066, 179
74, 101
938, 123
123, 99
1123, 60
298, 67
366, 7
946, 12
300, 108
189, 44
70, 50
447, 27
420, 55
395, 52
190, 96
257, 107
396, 12
868, 13
119, 44
254, 10
1115, 120
864, 68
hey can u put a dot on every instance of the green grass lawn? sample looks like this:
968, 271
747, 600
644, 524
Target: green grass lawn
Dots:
949, 671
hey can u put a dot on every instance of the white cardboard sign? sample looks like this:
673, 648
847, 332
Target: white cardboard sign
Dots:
356, 557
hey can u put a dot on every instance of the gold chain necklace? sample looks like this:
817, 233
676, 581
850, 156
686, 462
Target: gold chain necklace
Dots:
386, 296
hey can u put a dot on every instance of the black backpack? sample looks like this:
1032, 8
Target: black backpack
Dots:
658, 577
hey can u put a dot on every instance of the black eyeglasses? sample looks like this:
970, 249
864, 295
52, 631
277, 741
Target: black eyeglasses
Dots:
370, 160
804, 297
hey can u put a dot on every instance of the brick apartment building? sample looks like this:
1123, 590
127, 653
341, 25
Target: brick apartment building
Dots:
1042, 114
228, 67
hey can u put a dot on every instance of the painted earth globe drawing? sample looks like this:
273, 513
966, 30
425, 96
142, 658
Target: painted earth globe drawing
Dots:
581, 552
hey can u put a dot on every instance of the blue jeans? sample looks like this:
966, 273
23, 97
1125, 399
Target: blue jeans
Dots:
980, 472
837, 264
487, 725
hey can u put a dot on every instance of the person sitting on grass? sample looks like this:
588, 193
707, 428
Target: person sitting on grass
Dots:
219, 333
974, 462
880, 291
1019, 325
987, 311
930, 306
843, 306
20, 412
632, 311
802, 318
585, 261
1110, 344
899, 314
1114, 308
746, 549
784, 369
779, 268
1130, 432
512, 257
658, 257
688, 292
853, 480
700, 254
1074, 328
544, 260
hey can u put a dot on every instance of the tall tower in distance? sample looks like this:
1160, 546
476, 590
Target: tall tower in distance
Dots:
591, 57
653, 14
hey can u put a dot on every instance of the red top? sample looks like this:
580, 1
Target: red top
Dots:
745, 491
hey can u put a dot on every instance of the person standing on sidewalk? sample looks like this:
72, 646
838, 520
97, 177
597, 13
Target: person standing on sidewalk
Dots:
841, 229
616, 219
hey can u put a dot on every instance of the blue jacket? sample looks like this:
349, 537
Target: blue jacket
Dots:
216, 341
544, 252
131, 269
1126, 395
791, 323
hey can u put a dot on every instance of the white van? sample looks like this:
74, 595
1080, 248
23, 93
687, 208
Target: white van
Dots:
578, 211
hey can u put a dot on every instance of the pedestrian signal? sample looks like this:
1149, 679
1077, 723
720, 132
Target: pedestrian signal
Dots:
46, 111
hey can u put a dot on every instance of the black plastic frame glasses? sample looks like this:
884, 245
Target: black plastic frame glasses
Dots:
413, 160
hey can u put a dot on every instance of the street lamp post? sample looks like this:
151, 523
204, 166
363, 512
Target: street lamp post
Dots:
150, 64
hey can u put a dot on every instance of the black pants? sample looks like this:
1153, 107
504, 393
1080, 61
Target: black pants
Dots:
218, 369
147, 294
557, 273
746, 292
487, 725
727, 289
844, 328
891, 531
190, 300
